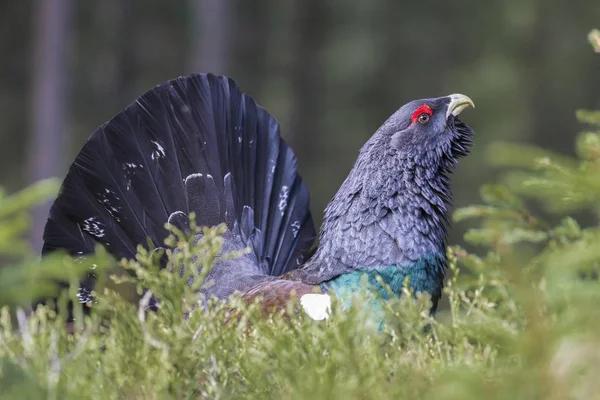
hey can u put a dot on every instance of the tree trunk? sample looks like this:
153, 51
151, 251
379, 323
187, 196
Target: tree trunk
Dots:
51, 22
250, 46
210, 43
309, 27
114, 64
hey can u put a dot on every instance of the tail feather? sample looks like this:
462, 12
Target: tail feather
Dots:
294, 232
203, 198
192, 144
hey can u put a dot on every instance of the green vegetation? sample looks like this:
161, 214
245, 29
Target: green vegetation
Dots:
523, 320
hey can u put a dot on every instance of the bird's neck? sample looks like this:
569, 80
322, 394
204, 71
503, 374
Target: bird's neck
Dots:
390, 219
386, 214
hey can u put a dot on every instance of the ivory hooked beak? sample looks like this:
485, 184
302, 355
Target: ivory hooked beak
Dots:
458, 102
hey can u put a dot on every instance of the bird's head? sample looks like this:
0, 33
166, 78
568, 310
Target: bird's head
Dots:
428, 131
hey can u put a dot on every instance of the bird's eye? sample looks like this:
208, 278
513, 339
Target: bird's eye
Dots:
421, 114
423, 118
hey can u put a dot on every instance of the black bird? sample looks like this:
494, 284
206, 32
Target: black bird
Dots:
197, 143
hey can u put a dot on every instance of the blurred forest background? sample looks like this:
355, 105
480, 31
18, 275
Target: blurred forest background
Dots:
330, 71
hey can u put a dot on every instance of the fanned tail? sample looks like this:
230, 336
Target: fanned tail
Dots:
195, 143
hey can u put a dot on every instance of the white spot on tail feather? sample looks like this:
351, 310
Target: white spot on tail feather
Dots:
191, 176
106, 199
129, 170
129, 166
295, 228
84, 295
159, 151
92, 226
283, 198
316, 305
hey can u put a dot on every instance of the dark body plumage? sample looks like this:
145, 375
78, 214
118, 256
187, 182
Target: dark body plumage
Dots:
198, 144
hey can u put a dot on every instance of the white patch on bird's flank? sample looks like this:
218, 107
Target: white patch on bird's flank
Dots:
159, 151
316, 305
240, 139
283, 198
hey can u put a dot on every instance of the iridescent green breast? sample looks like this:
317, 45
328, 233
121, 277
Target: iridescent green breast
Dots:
425, 275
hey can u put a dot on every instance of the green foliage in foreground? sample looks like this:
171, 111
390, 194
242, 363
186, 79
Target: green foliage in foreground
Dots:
22, 275
523, 320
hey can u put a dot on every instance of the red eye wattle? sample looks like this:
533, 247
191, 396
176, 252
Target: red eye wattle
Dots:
422, 114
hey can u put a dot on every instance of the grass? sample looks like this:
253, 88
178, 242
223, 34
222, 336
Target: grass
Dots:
509, 332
